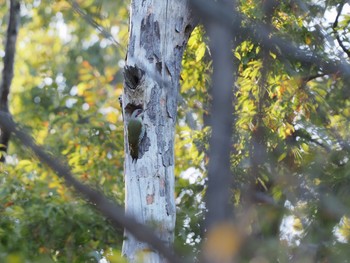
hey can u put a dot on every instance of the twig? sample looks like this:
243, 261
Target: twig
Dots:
335, 25
111, 211
315, 76
92, 22
7, 73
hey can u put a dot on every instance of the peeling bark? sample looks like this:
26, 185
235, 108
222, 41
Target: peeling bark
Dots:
159, 31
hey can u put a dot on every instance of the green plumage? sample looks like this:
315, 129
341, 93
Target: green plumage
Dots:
135, 134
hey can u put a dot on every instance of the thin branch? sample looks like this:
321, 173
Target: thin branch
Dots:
312, 77
306, 136
335, 25
7, 73
263, 34
111, 211
92, 22
343, 143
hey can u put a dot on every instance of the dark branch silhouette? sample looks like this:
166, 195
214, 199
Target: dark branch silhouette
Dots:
111, 211
92, 22
108, 209
335, 25
264, 34
7, 72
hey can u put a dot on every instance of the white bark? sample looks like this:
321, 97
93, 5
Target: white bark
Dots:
159, 31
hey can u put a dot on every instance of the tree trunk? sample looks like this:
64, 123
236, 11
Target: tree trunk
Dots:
159, 31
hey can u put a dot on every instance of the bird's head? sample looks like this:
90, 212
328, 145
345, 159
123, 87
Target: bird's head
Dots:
136, 113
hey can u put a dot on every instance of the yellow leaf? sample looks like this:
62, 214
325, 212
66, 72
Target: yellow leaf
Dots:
273, 55
112, 117
308, 40
282, 156
116, 257
257, 50
23, 163
223, 242
43, 250
297, 225
344, 228
317, 181
61, 5
289, 129
13, 258
54, 184
237, 55
200, 52
62, 192
81, 88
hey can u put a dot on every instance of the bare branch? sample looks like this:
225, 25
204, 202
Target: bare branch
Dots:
111, 211
92, 22
335, 25
262, 33
7, 72
312, 77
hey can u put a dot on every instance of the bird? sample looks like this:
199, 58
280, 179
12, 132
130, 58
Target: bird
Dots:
136, 131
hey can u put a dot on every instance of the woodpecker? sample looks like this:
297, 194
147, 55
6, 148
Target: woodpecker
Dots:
136, 131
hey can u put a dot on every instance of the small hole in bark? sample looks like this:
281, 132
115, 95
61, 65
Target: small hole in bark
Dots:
133, 76
159, 67
136, 80
188, 29
130, 108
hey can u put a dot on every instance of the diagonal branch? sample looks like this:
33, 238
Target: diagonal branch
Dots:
335, 25
111, 211
92, 22
7, 72
262, 33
